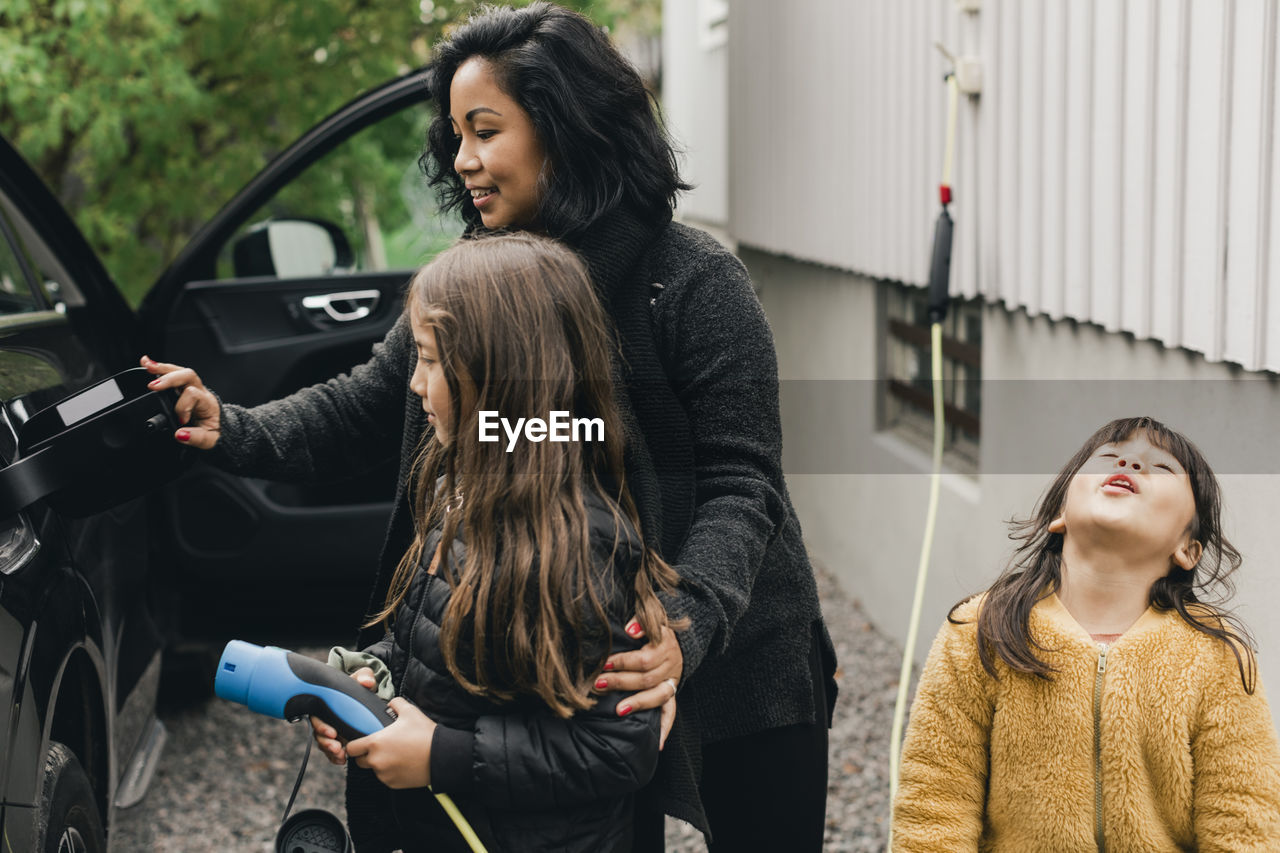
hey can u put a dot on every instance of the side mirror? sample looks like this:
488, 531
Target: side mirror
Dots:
292, 248
96, 449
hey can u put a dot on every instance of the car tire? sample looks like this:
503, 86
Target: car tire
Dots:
68, 810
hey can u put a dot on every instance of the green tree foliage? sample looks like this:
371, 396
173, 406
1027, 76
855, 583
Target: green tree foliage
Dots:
145, 116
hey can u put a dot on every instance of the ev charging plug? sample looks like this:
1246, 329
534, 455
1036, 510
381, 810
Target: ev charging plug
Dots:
289, 686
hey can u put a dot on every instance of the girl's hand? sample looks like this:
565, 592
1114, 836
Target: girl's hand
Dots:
334, 747
197, 409
653, 670
400, 754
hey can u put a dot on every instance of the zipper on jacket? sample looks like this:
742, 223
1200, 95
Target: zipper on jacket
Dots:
413, 629
1097, 747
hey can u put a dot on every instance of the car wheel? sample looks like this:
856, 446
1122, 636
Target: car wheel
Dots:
68, 809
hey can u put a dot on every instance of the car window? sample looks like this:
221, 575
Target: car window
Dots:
16, 294
51, 277
369, 191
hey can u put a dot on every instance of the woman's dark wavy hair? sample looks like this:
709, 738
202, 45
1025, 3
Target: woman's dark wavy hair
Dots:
597, 124
1035, 570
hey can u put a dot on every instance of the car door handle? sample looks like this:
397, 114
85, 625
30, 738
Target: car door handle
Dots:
358, 303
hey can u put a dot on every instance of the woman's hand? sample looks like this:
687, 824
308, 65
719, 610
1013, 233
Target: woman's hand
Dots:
400, 754
197, 409
334, 747
653, 670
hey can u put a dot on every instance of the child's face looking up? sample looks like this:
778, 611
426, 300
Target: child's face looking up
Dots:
428, 380
1134, 494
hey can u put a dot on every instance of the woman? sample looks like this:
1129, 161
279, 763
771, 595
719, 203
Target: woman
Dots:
543, 125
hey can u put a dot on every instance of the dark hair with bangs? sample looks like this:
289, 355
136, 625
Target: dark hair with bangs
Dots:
519, 331
1035, 570
596, 121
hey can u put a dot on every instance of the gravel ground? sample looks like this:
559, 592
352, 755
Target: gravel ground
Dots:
226, 773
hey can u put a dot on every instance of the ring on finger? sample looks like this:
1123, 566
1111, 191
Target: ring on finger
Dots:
672, 682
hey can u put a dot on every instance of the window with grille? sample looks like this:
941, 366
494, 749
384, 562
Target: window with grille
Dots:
906, 396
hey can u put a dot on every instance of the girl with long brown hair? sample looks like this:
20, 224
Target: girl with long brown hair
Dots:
525, 568
1098, 696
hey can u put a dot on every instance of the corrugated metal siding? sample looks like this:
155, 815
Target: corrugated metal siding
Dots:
1120, 166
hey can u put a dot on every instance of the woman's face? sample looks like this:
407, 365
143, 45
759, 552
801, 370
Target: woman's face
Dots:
499, 154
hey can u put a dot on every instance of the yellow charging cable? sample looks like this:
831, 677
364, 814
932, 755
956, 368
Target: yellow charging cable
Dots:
473, 840
935, 484
922, 571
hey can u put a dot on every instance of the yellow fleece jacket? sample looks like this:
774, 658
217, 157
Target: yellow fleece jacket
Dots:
1183, 760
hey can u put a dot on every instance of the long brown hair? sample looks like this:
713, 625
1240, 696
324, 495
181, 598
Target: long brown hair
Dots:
1035, 570
520, 332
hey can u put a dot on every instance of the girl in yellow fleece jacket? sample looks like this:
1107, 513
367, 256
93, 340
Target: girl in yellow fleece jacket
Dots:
1090, 700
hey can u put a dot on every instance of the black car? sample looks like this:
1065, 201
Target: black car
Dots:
99, 587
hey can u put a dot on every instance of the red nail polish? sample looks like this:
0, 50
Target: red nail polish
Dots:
153, 383
608, 666
182, 435
624, 710
601, 683
633, 629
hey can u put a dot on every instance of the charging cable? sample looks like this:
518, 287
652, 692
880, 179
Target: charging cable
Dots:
939, 277
473, 840
334, 833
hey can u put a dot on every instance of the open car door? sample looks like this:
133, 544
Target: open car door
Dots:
291, 284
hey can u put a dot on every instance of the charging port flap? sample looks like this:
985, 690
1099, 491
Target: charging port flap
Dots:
98, 448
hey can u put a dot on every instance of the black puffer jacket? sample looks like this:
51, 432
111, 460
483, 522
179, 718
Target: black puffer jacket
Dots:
525, 778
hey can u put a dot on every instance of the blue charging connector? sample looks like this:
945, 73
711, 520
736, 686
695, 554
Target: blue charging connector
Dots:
289, 686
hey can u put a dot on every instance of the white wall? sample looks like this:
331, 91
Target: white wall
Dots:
1118, 167
695, 69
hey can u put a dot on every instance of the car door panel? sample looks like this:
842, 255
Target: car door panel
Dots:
257, 337
253, 341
